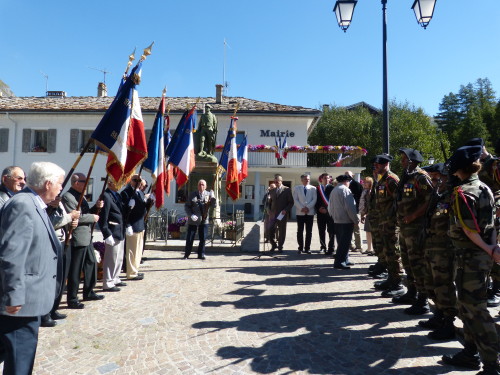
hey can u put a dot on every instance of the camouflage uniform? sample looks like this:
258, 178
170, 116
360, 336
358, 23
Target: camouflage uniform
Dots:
385, 199
416, 191
473, 265
440, 256
373, 218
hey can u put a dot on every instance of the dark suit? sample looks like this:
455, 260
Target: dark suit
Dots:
195, 206
82, 249
325, 221
30, 276
5, 195
281, 200
111, 224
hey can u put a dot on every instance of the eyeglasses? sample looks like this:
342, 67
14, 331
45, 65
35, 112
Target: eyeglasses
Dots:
18, 178
81, 181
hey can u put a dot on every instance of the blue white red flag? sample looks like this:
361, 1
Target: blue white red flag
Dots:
120, 132
169, 169
243, 160
224, 156
283, 147
278, 144
181, 147
232, 182
155, 163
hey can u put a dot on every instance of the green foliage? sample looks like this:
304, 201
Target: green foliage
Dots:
472, 112
408, 127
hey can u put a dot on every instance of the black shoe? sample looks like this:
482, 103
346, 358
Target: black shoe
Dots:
380, 276
433, 323
121, 283
490, 369
417, 309
75, 305
394, 290
273, 248
383, 285
280, 251
409, 298
494, 300
202, 257
299, 251
47, 321
113, 289
463, 359
93, 297
349, 263
138, 277
57, 315
185, 257
307, 252
445, 332
329, 252
341, 267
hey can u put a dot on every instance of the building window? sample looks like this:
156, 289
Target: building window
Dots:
78, 140
180, 194
89, 193
4, 140
39, 140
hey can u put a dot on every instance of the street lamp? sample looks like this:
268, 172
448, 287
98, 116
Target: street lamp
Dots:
431, 160
424, 10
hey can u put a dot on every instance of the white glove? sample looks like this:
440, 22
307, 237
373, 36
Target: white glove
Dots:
194, 217
129, 231
110, 241
131, 203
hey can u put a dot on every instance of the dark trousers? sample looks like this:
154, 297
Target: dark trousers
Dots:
280, 227
202, 230
325, 223
66, 265
307, 221
82, 259
19, 336
343, 233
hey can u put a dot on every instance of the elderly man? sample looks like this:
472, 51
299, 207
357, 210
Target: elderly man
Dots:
196, 208
342, 208
82, 249
281, 203
30, 265
12, 182
304, 197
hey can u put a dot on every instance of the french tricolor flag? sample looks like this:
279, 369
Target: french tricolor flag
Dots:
243, 160
232, 180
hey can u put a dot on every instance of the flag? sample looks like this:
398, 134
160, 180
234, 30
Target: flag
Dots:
169, 169
155, 163
232, 182
277, 143
243, 160
227, 145
113, 135
283, 147
181, 147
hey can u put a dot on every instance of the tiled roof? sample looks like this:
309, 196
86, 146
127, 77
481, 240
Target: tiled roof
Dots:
148, 104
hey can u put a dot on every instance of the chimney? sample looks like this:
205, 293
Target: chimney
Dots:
219, 91
102, 90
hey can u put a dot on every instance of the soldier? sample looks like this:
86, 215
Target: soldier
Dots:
473, 234
385, 198
414, 192
207, 132
440, 257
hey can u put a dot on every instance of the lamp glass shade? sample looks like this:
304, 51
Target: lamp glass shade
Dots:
344, 10
424, 10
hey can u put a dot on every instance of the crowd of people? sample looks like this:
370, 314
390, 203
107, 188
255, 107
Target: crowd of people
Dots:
46, 246
434, 231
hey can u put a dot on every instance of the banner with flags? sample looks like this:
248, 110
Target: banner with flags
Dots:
120, 132
167, 137
243, 160
232, 181
181, 147
155, 163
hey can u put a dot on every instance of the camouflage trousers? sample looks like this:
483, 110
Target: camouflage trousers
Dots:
440, 275
495, 272
412, 254
473, 267
376, 238
390, 240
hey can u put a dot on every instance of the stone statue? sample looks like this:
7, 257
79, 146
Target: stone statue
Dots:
207, 134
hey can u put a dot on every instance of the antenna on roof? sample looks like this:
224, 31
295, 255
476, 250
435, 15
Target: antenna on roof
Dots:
224, 82
46, 82
104, 71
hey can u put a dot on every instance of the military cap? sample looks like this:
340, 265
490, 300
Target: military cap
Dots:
438, 167
463, 157
475, 142
343, 178
412, 154
382, 159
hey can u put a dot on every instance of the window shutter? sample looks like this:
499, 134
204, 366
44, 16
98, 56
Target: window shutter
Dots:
73, 140
26, 140
4, 140
51, 140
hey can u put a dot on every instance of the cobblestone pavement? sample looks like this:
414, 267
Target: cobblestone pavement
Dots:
233, 314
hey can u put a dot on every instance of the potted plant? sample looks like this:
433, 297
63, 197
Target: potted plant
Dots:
230, 230
173, 231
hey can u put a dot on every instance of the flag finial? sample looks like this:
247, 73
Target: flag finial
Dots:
147, 52
164, 92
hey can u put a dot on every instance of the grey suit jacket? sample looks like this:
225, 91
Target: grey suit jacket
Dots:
81, 235
29, 252
280, 201
194, 206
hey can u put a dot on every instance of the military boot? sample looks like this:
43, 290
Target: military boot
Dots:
494, 295
409, 298
490, 369
467, 358
433, 323
382, 285
420, 307
445, 332
396, 289
377, 269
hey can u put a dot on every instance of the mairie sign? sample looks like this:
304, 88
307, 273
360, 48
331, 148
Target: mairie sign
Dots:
276, 133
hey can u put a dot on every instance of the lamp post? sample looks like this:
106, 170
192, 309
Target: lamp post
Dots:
344, 10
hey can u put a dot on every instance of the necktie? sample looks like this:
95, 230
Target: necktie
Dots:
305, 191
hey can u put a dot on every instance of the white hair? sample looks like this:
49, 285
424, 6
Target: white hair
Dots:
41, 172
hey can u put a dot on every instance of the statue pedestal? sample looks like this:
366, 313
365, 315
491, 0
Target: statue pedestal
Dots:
206, 170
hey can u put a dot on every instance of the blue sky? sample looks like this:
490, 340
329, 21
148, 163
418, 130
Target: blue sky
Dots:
289, 52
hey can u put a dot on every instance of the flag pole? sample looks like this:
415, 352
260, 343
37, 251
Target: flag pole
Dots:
75, 164
100, 198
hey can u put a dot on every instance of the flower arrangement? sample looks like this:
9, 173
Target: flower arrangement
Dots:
304, 149
38, 149
230, 225
182, 221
